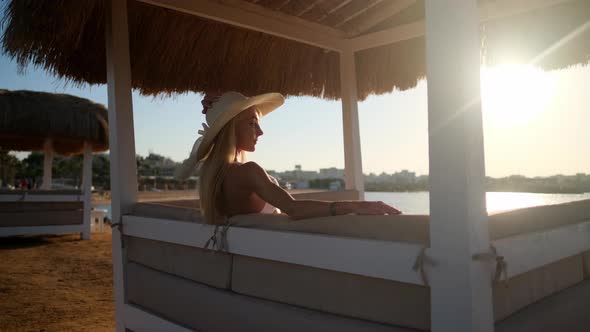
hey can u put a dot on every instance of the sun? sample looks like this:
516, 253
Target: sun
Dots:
514, 95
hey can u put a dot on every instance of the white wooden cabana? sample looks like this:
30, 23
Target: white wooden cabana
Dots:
460, 286
453, 257
63, 123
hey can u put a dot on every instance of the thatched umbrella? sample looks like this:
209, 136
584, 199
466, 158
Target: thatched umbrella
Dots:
31, 120
174, 52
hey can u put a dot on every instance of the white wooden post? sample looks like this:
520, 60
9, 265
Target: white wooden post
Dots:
47, 164
121, 139
461, 295
353, 164
87, 189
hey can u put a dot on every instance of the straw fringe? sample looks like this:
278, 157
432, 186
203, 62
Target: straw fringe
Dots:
173, 52
27, 118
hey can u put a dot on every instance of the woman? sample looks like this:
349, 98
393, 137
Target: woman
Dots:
230, 185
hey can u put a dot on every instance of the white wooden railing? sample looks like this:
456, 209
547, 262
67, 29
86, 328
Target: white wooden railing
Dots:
371, 258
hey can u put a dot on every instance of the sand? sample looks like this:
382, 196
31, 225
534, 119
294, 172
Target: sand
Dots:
56, 283
104, 198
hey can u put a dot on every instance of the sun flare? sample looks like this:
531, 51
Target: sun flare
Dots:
514, 94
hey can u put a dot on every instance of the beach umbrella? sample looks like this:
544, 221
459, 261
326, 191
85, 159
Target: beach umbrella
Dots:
32, 121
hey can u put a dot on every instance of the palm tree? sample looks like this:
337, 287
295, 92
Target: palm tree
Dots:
9, 167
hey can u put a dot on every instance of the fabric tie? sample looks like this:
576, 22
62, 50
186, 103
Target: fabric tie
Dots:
421, 260
188, 165
501, 273
119, 227
201, 132
218, 240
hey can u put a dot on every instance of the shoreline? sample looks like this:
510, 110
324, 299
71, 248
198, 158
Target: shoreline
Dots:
171, 195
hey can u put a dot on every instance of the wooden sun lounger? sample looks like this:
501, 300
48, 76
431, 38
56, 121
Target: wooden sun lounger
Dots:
41, 212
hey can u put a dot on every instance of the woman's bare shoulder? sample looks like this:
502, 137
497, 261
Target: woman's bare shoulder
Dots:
250, 168
245, 171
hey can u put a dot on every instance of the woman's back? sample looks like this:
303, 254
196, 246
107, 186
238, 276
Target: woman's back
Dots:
237, 197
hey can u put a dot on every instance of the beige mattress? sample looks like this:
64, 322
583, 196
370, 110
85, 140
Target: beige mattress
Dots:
401, 228
23, 213
203, 308
363, 298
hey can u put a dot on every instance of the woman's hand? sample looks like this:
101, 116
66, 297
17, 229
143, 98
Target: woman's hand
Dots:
364, 208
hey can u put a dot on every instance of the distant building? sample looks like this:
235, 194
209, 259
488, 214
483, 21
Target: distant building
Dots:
299, 175
335, 186
302, 184
404, 177
167, 171
331, 173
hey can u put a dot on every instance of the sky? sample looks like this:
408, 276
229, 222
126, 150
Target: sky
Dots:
535, 123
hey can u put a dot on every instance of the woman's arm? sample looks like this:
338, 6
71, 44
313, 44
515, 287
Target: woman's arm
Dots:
256, 180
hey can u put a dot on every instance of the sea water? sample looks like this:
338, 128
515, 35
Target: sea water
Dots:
418, 202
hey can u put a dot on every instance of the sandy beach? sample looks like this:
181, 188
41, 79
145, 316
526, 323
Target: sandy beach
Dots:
56, 283
146, 196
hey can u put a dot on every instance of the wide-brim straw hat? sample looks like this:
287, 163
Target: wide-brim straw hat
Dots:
228, 106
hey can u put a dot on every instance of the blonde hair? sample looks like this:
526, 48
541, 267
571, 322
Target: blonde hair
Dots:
213, 172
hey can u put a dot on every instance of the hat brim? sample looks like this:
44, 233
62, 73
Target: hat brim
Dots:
265, 103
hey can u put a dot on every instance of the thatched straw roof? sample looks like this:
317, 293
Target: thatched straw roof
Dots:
174, 52
28, 118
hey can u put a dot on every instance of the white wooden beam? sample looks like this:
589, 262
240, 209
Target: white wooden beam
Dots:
257, 18
121, 129
355, 11
389, 36
333, 10
488, 10
87, 189
353, 164
308, 8
121, 139
460, 288
377, 16
47, 164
